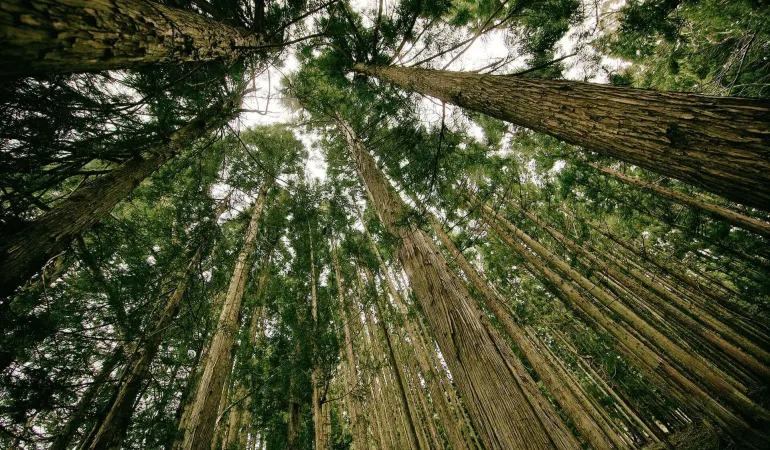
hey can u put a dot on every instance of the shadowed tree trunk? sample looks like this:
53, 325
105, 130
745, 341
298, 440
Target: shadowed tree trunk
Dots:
719, 144
199, 432
501, 412
24, 252
320, 407
63, 36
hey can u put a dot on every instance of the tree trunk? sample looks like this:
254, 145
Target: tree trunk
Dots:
751, 224
42, 37
501, 412
586, 419
110, 432
203, 414
26, 251
64, 437
320, 407
719, 144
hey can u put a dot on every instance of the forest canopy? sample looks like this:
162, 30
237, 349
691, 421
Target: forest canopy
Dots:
404, 224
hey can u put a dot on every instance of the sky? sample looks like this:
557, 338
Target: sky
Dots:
485, 50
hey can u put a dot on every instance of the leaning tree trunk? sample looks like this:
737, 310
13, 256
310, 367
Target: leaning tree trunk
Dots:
719, 144
751, 224
501, 412
199, 431
42, 37
24, 252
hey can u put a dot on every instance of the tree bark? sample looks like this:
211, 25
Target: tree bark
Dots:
501, 412
320, 407
199, 433
43, 37
751, 224
26, 251
719, 144
586, 419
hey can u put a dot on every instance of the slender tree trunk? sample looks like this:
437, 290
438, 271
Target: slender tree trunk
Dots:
23, 253
321, 426
751, 224
42, 37
356, 417
719, 144
587, 420
203, 414
64, 437
417, 440
241, 410
501, 412
293, 426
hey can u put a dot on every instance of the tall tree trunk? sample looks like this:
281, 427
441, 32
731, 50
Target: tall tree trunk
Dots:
42, 37
719, 144
293, 426
586, 418
501, 412
320, 407
64, 437
357, 420
199, 433
418, 440
453, 422
751, 224
242, 410
110, 432
24, 252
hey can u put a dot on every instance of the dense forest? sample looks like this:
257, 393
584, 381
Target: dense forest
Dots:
401, 224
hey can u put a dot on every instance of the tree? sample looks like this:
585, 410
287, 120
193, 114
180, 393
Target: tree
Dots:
657, 126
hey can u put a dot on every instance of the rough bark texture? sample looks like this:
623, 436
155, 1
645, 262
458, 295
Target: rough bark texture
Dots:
500, 411
41, 37
203, 414
719, 144
751, 224
586, 419
23, 253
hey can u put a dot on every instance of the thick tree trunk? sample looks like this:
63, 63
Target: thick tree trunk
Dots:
719, 144
26, 251
751, 224
586, 418
42, 37
501, 412
199, 432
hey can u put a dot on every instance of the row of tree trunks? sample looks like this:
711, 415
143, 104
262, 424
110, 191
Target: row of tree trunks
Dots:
321, 423
645, 358
592, 427
63, 36
716, 143
501, 412
454, 422
670, 310
751, 224
200, 427
24, 252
